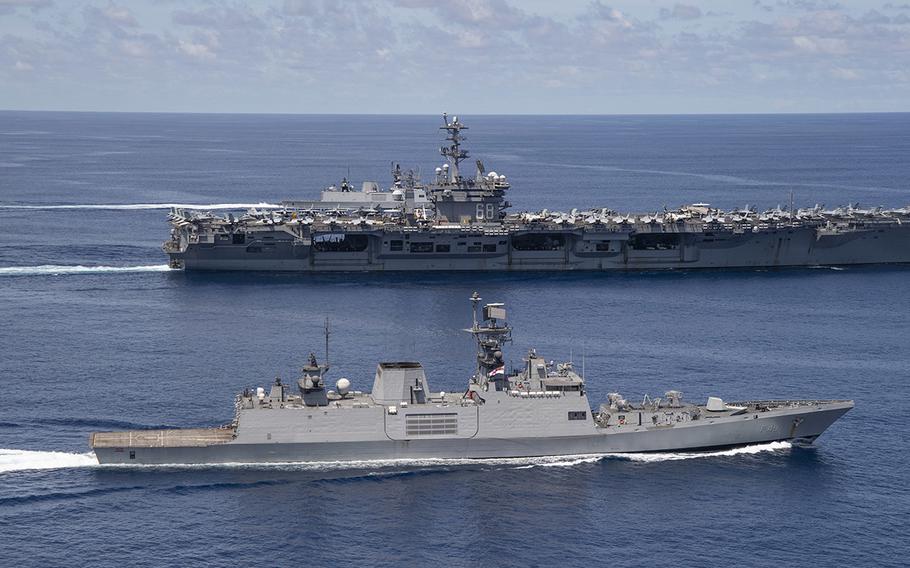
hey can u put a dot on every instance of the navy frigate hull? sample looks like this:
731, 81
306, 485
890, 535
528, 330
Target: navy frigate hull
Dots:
803, 423
539, 409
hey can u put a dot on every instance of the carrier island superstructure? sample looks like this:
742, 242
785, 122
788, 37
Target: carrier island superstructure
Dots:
540, 408
461, 222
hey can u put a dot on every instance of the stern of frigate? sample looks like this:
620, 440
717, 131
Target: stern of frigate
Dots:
185, 445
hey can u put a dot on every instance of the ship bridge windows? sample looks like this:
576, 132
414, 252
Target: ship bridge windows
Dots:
578, 415
538, 241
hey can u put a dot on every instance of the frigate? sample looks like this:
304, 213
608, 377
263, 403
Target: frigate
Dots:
540, 408
460, 222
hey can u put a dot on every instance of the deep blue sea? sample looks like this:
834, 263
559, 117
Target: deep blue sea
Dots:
125, 343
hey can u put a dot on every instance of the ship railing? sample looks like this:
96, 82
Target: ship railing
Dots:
534, 394
782, 403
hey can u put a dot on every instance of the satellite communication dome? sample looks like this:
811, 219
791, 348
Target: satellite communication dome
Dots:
438, 170
398, 194
343, 385
445, 166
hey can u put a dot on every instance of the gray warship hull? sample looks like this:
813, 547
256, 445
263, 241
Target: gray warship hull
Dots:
802, 423
540, 409
495, 249
461, 223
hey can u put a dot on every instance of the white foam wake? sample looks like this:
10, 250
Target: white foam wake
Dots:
59, 269
672, 456
136, 206
517, 463
570, 461
24, 460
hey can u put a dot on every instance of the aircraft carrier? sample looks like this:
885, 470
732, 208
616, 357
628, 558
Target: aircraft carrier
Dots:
462, 223
538, 409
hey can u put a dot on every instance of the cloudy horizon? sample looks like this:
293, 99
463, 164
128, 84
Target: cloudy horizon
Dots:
469, 56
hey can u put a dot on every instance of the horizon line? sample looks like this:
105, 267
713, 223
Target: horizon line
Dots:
267, 113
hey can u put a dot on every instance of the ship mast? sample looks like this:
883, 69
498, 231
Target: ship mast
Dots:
326, 343
454, 154
490, 332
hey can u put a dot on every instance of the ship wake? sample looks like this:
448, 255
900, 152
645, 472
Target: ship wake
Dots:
656, 457
26, 460
143, 206
62, 269
673, 456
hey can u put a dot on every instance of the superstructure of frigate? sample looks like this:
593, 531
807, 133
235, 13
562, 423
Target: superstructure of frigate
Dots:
462, 223
538, 409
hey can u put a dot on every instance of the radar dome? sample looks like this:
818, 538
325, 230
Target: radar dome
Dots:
397, 194
343, 386
438, 170
445, 166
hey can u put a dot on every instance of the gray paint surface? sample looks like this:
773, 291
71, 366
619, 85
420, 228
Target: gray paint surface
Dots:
541, 409
461, 223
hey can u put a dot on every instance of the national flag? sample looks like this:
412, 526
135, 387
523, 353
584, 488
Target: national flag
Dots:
498, 371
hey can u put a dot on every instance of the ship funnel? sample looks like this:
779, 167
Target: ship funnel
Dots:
715, 404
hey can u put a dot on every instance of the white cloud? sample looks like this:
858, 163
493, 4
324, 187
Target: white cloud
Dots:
681, 12
800, 50
134, 48
831, 46
120, 15
9, 6
599, 11
845, 74
196, 50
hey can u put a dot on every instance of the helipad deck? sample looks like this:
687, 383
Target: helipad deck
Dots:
195, 437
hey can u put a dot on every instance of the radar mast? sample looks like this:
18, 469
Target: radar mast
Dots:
490, 332
454, 154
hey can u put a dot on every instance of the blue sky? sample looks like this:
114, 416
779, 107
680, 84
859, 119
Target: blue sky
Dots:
473, 56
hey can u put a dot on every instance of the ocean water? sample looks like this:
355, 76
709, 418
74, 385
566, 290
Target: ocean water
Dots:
96, 333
